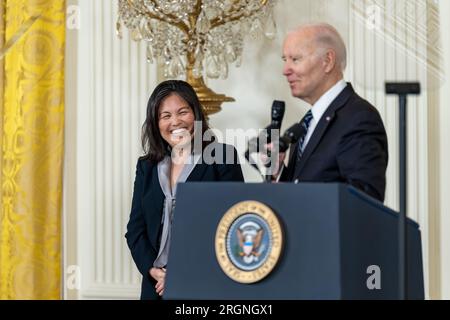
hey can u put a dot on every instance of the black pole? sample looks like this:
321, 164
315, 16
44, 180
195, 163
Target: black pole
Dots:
402, 231
268, 177
402, 90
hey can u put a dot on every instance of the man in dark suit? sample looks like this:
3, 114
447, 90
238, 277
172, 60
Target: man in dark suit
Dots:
344, 138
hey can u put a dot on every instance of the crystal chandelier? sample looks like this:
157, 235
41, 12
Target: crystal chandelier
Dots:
197, 38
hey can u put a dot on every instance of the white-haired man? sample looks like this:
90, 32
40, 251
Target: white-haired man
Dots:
344, 137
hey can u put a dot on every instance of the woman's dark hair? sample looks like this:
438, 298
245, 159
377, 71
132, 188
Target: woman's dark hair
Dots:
155, 147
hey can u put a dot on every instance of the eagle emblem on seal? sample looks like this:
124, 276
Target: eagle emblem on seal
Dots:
249, 236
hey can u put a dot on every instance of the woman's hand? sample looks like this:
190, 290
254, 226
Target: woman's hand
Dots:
159, 274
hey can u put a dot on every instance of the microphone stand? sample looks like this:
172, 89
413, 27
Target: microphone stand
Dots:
247, 157
268, 177
277, 114
402, 90
290, 136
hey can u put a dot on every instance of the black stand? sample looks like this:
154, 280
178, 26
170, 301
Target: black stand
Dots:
402, 90
268, 177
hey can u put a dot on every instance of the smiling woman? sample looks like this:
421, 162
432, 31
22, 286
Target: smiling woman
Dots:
176, 120
170, 158
172, 107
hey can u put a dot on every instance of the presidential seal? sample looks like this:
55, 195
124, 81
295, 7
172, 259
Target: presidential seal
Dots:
249, 240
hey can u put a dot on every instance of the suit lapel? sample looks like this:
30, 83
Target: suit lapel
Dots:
291, 164
198, 172
154, 201
322, 126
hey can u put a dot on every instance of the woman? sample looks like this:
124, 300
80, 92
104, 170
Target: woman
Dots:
174, 117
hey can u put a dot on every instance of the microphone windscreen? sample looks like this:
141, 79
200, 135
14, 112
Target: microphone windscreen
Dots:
278, 108
294, 132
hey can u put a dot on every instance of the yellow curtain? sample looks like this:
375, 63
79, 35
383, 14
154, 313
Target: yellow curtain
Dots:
31, 158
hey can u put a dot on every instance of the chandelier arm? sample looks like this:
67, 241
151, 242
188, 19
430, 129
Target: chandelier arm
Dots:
216, 22
167, 18
193, 18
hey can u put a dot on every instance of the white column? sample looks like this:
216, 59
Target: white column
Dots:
444, 156
113, 83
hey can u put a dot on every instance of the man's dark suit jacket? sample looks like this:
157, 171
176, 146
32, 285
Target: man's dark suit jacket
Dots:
144, 226
348, 145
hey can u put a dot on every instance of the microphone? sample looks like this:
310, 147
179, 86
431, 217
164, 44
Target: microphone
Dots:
277, 114
290, 136
278, 108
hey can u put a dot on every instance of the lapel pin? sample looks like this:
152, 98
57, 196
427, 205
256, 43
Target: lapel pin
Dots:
328, 119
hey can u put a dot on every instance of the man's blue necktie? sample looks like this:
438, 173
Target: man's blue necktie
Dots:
305, 125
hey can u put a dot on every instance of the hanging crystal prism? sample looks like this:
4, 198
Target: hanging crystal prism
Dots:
119, 29
256, 29
203, 24
136, 35
212, 67
149, 53
270, 27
